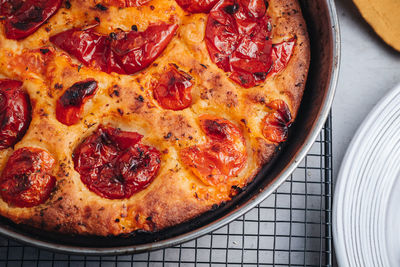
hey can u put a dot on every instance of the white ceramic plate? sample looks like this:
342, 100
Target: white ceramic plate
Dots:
366, 208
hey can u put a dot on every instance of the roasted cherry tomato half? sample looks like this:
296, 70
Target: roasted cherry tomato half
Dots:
223, 155
24, 17
197, 6
70, 104
173, 90
281, 54
125, 3
113, 164
137, 165
15, 112
121, 52
276, 123
26, 180
238, 40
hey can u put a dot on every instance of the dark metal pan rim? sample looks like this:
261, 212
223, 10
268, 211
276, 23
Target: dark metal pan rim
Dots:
237, 211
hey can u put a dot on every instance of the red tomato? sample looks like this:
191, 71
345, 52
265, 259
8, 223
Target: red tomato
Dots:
26, 179
222, 157
25, 17
113, 164
122, 52
197, 6
173, 90
281, 54
238, 40
70, 104
276, 123
87, 46
138, 165
218, 129
15, 112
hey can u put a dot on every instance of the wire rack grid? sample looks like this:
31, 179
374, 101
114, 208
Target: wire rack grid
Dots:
292, 227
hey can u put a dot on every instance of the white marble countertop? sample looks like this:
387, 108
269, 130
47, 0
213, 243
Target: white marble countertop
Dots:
369, 69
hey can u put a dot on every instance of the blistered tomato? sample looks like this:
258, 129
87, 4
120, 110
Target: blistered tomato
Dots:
222, 157
26, 180
281, 54
24, 17
276, 123
114, 164
197, 6
70, 104
238, 39
15, 112
173, 89
121, 52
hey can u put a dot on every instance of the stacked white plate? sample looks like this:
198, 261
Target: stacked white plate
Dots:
366, 210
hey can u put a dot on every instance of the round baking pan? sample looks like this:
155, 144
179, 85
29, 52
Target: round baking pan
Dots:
323, 28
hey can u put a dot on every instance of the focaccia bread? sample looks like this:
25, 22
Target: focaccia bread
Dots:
120, 115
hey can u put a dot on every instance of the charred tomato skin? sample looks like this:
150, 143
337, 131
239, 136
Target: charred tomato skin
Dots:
197, 6
121, 52
114, 164
15, 112
26, 180
275, 125
138, 165
173, 90
238, 40
25, 17
69, 106
281, 55
223, 155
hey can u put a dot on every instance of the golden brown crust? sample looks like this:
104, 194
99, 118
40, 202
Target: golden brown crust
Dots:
175, 195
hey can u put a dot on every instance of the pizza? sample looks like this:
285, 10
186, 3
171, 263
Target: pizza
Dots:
125, 115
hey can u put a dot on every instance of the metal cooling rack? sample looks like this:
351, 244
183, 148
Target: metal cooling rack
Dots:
292, 227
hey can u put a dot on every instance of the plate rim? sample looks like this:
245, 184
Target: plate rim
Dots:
340, 183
